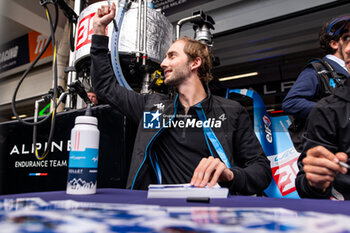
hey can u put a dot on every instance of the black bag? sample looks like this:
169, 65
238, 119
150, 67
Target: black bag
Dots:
328, 80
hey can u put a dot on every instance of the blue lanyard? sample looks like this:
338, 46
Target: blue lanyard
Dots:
209, 133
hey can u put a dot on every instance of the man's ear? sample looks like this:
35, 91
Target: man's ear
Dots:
196, 63
334, 44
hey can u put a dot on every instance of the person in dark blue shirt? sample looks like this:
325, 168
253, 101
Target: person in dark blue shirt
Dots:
316, 81
301, 98
324, 162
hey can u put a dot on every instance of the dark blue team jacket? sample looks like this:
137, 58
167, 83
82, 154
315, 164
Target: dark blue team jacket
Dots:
299, 100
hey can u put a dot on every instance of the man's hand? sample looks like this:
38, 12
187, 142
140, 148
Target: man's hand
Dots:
211, 170
321, 166
103, 17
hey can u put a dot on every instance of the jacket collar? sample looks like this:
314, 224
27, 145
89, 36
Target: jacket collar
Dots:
206, 103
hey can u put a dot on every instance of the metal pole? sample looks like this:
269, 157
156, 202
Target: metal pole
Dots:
138, 48
146, 77
144, 51
72, 75
185, 20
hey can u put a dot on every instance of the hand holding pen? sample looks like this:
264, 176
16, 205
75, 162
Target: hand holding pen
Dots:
331, 147
321, 166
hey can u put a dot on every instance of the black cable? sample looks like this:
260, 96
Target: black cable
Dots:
13, 103
53, 27
54, 97
71, 36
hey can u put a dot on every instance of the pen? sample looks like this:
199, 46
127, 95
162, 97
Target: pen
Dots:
198, 199
332, 147
344, 164
170, 186
114, 22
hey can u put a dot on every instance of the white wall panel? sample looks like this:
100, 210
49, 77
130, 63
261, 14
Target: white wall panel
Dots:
37, 83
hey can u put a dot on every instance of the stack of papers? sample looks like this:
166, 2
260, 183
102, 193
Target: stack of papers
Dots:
185, 191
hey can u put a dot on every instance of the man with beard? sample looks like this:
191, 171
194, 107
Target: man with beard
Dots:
324, 162
195, 137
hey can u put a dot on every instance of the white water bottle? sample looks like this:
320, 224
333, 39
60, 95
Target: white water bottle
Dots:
83, 156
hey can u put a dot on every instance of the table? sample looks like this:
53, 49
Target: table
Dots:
121, 210
108, 195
